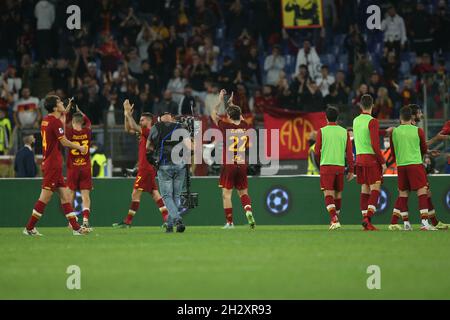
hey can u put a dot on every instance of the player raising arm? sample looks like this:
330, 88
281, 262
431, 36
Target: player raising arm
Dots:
332, 148
234, 171
52, 138
79, 174
145, 179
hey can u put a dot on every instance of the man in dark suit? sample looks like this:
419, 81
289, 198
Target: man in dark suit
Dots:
24, 164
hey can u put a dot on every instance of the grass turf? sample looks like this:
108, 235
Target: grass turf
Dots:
272, 262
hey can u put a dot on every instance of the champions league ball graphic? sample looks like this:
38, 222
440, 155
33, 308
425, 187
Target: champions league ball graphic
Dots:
277, 201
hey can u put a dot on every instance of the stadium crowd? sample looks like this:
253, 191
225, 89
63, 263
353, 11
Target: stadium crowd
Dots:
163, 55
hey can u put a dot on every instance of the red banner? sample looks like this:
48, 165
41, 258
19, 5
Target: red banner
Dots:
294, 129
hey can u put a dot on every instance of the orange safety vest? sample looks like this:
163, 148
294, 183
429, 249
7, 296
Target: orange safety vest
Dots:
390, 163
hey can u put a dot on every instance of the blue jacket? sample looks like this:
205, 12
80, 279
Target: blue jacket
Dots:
24, 164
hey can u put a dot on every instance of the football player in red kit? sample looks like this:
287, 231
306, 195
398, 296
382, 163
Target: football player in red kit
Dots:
145, 179
401, 204
52, 132
79, 175
234, 171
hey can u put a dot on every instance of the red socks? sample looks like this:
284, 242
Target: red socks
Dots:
162, 209
246, 202
400, 210
363, 202
372, 204
229, 215
70, 215
134, 207
37, 213
331, 207
431, 213
396, 212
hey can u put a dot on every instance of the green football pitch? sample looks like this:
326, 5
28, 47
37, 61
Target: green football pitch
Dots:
271, 262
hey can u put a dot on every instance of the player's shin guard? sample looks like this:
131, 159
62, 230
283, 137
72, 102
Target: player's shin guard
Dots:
229, 215
134, 207
372, 204
331, 207
246, 202
432, 213
162, 209
423, 206
338, 203
70, 215
363, 203
38, 210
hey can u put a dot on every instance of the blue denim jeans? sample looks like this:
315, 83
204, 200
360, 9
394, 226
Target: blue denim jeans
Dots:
171, 180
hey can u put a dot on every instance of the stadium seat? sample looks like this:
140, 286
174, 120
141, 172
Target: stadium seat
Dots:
3, 65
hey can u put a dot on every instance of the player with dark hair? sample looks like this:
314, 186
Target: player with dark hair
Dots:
333, 147
145, 179
52, 132
401, 204
370, 163
408, 147
234, 171
79, 175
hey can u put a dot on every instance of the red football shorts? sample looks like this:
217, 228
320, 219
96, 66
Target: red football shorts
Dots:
233, 176
79, 178
53, 179
369, 175
145, 181
329, 181
412, 177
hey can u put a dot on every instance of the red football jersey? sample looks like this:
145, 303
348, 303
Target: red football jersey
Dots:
235, 141
143, 164
51, 131
83, 138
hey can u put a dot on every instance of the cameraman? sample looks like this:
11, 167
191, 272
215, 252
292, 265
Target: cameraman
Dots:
171, 172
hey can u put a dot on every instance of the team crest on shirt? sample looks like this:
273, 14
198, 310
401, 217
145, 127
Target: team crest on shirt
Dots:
61, 131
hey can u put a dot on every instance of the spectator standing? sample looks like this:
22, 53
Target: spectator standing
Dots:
391, 66
383, 105
421, 30
309, 57
211, 98
44, 12
60, 75
176, 85
264, 100
274, 65
363, 70
26, 111
184, 107
209, 53
197, 73
324, 80
166, 104
144, 39
394, 30
343, 90
24, 162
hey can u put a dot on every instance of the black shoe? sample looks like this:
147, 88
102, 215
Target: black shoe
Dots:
169, 229
180, 226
